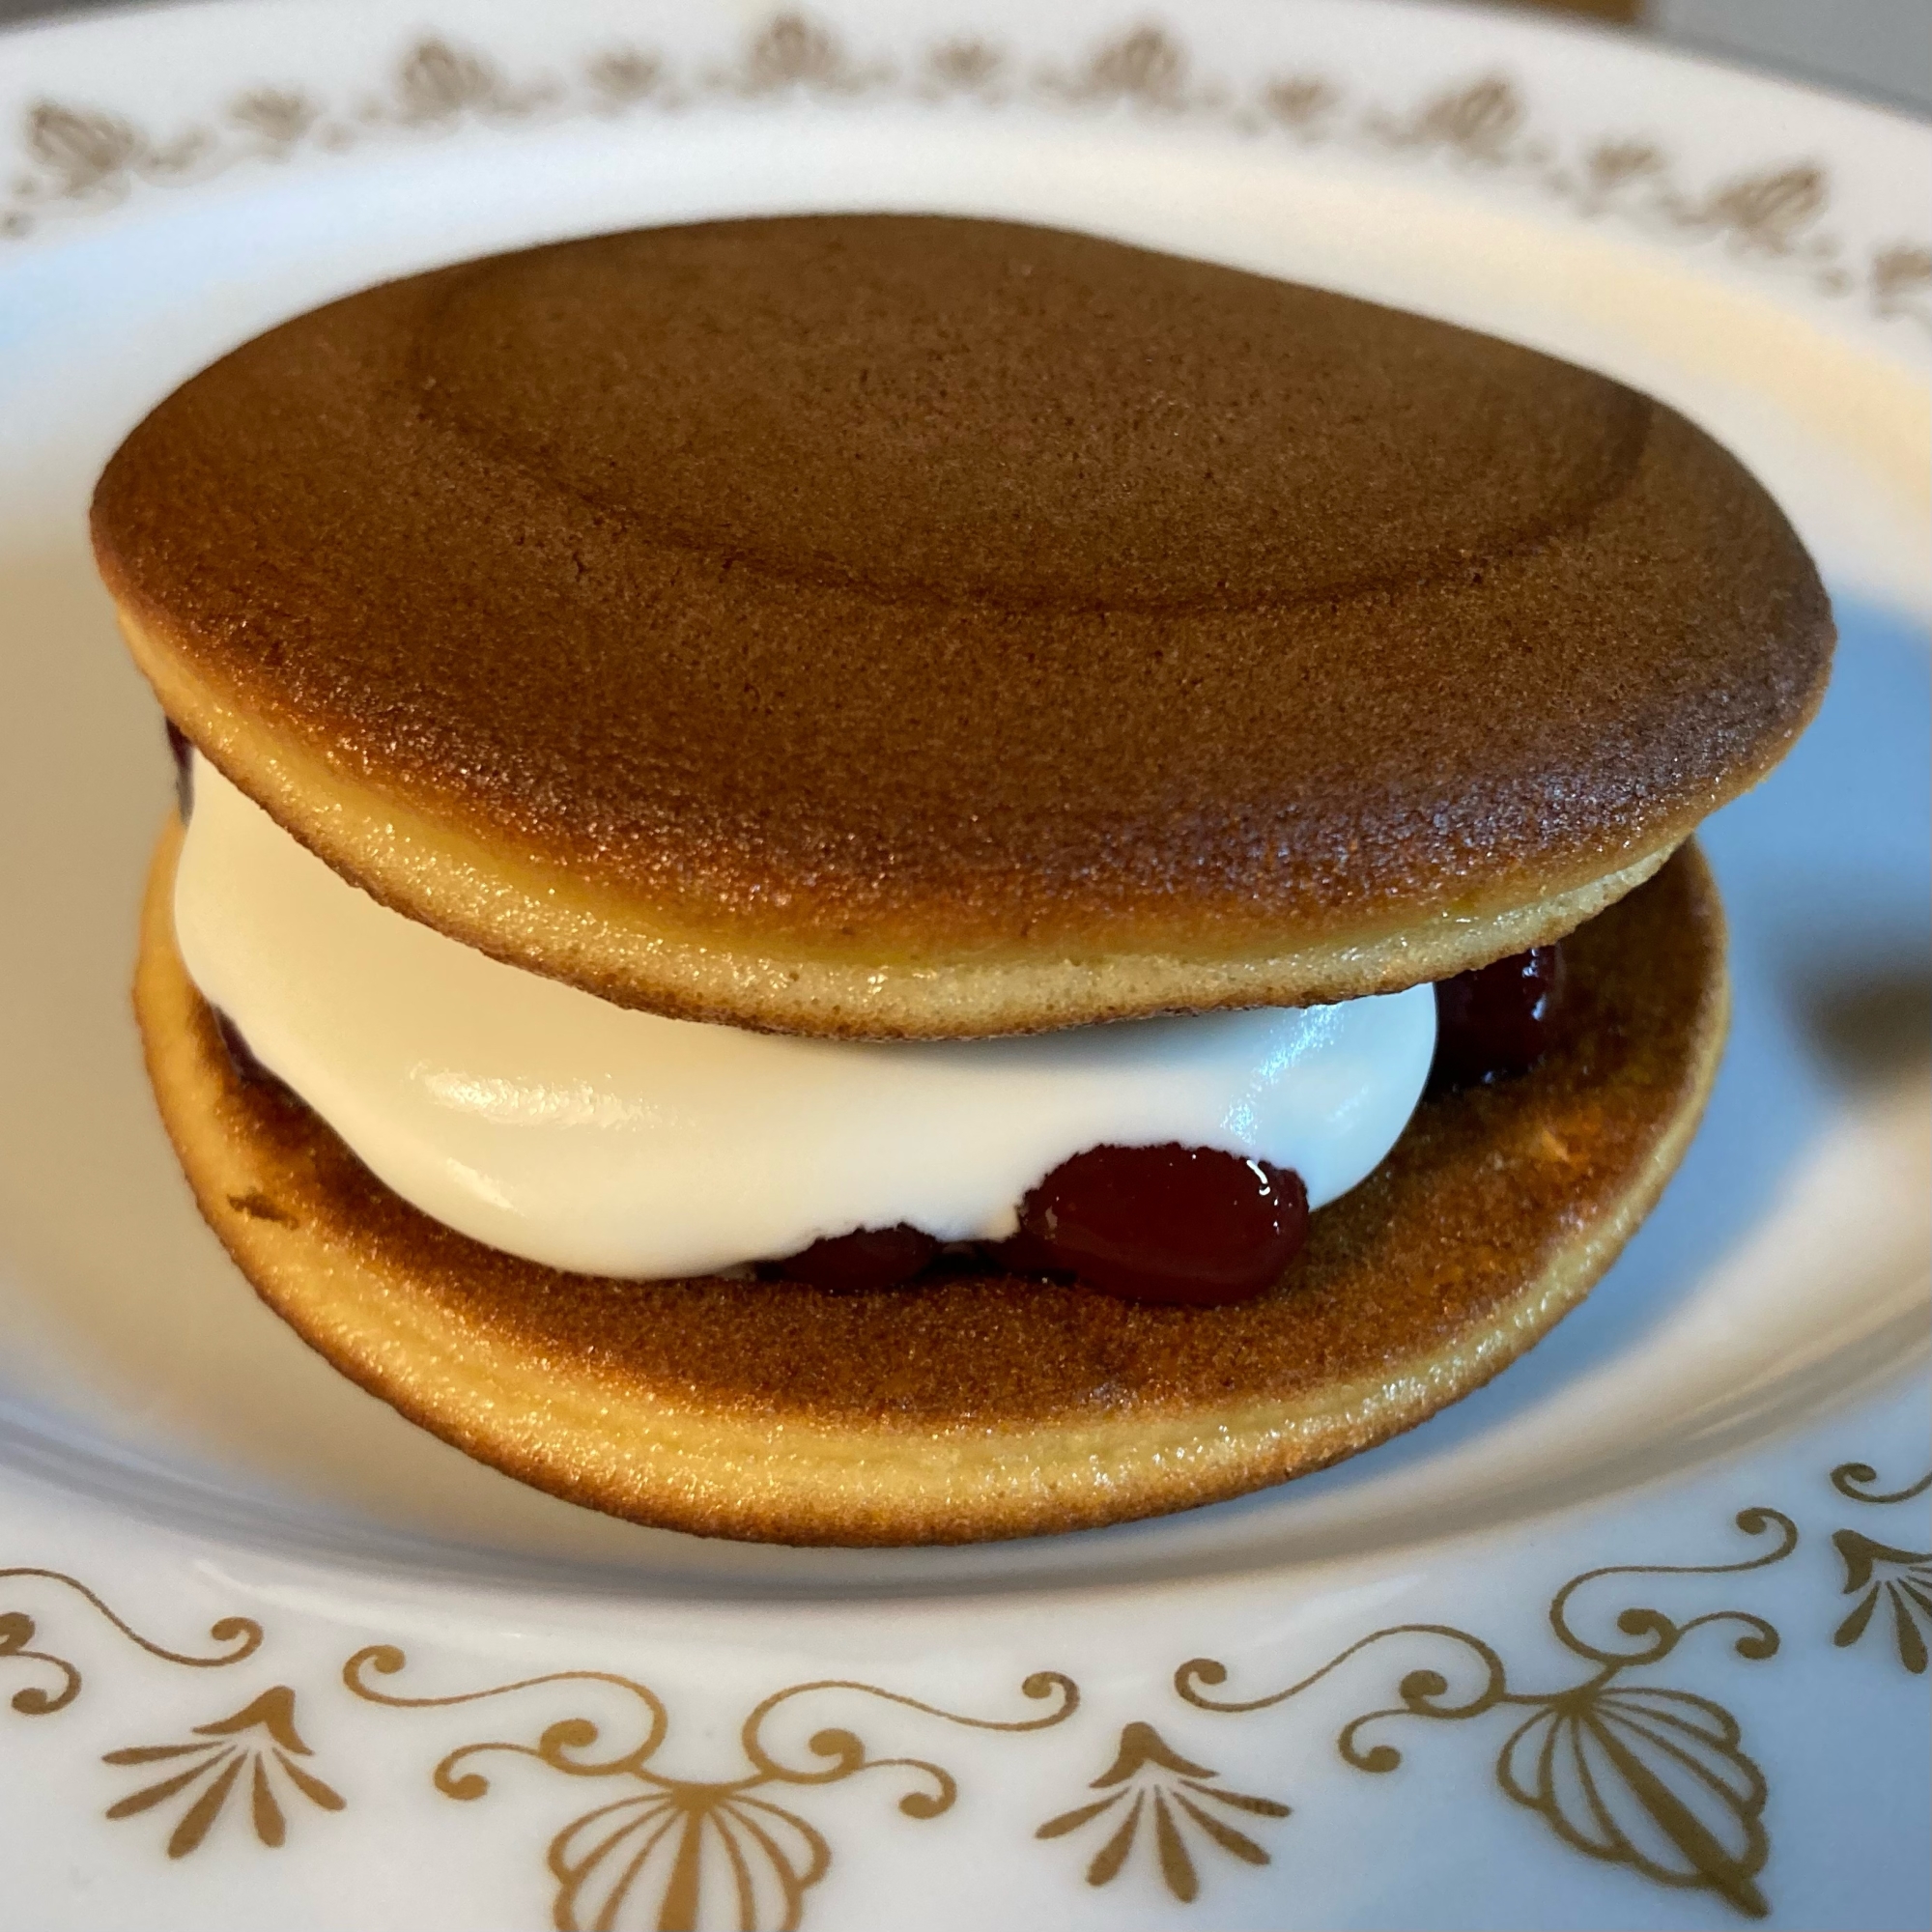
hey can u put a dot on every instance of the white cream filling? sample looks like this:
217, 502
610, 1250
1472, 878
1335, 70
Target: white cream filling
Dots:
555, 1125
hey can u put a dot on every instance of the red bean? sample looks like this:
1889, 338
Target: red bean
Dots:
1497, 1020
1168, 1223
871, 1258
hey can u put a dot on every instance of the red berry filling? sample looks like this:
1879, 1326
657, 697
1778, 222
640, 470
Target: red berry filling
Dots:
1497, 1020
871, 1258
1193, 1225
1168, 1223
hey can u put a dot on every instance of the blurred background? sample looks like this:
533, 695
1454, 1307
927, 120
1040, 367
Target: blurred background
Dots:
1880, 49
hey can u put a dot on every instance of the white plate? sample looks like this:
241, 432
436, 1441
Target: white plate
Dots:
210, 1529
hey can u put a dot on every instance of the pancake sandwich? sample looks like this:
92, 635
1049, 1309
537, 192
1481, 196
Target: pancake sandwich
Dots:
885, 879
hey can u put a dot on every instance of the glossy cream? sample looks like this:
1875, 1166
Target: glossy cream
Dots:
552, 1124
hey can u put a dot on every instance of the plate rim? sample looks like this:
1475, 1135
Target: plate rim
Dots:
83, 159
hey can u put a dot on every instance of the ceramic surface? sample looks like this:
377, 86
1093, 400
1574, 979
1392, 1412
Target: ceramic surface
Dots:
1636, 1636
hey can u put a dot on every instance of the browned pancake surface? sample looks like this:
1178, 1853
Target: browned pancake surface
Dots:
900, 587
978, 1405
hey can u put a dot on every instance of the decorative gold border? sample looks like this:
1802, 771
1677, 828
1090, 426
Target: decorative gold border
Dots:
1625, 1770
205, 1770
82, 159
1597, 1759
672, 1839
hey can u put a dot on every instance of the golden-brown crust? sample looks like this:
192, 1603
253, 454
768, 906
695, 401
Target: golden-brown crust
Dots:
1050, 608
531, 916
976, 1407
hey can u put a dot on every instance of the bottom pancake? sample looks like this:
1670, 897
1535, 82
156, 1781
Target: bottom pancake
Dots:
971, 1406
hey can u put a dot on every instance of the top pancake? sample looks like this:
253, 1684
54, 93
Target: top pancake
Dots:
907, 625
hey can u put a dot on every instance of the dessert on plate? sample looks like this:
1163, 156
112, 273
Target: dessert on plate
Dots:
882, 878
